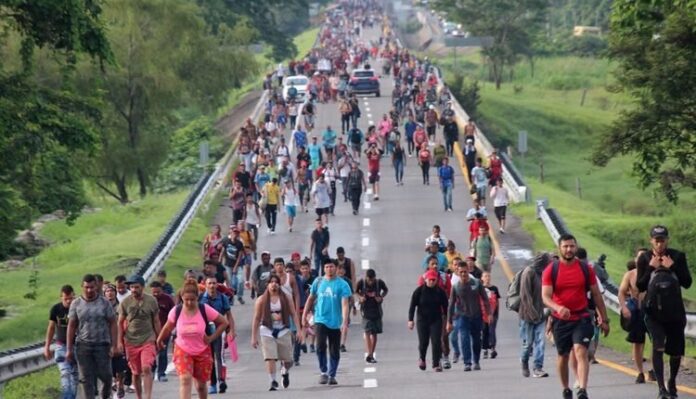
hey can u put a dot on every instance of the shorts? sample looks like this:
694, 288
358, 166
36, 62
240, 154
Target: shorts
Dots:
500, 212
322, 211
374, 176
198, 366
667, 336
356, 147
141, 357
291, 210
277, 348
637, 329
372, 326
567, 333
119, 365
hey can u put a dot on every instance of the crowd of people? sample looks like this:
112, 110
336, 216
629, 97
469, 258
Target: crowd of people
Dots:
116, 338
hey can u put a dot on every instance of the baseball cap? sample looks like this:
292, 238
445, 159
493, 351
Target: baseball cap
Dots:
266, 253
295, 255
136, 279
471, 258
431, 275
659, 231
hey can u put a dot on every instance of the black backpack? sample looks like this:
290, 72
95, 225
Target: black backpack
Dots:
585, 271
663, 301
355, 136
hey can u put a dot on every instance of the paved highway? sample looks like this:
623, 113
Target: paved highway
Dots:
388, 235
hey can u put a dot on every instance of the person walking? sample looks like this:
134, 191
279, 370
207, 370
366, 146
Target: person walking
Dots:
373, 155
192, 356
220, 302
319, 247
532, 317
138, 328
328, 301
501, 199
479, 179
57, 331
356, 185
371, 292
468, 309
482, 249
445, 174
321, 196
489, 337
271, 192
424, 160
273, 313
431, 303
630, 300
662, 272
565, 284
399, 161
91, 338
290, 199
165, 303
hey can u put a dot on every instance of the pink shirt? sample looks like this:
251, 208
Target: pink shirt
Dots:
190, 330
385, 127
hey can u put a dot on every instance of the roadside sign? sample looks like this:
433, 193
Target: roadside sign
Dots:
522, 141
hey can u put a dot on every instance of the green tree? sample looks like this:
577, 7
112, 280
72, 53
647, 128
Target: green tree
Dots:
166, 58
509, 22
654, 43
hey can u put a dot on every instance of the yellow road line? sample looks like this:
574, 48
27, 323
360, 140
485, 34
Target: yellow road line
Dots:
632, 372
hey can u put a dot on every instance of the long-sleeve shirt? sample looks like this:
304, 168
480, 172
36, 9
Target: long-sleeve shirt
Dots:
466, 300
431, 304
531, 303
679, 268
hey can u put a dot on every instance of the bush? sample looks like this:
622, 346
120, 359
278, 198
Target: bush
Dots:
467, 92
586, 46
568, 82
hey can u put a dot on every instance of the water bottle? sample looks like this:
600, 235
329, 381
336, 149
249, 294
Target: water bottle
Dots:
210, 330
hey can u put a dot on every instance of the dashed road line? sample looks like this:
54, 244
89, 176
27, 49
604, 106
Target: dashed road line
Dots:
365, 264
370, 383
368, 205
370, 369
366, 222
365, 241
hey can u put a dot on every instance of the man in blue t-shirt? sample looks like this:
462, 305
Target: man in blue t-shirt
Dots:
409, 129
329, 139
299, 136
328, 299
446, 175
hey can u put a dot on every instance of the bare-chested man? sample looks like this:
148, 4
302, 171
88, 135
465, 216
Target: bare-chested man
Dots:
630, 301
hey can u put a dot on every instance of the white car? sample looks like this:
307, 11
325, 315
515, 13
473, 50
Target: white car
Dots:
300, 83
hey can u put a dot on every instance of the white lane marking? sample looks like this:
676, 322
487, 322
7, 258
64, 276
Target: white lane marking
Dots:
369, 116
368, 205
365, 264
368, 191
368, 110
370, 122
370, 369
364, 98
366, 222
370, 383
365, 241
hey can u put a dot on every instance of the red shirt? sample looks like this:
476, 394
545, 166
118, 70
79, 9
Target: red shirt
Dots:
570, 288
474, 228
373, 162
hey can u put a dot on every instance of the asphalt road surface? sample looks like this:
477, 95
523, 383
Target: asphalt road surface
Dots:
388, 235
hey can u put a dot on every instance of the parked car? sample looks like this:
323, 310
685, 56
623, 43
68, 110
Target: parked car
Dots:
364, 81
299, 82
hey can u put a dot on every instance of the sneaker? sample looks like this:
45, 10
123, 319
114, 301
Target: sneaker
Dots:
162, 378
303, 347
540, 373
297, 363
240, 300
477, 366
467, 367
672, 387
582, 394
274, 386
286, 379
332, 381
376, 197
640, 379
651, 375
421, 364
525, 369
663, 394
311, 348
212, 389
372, 360
438, 369
494, 354
446, 363
485, 354
567, 394
323, 379
455, 358
223, 387
502, 231
343, 348
120, 393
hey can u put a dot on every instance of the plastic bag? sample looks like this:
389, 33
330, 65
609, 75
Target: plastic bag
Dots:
232, 347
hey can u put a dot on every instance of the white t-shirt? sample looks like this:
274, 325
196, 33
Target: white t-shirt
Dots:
500, 196
291, 197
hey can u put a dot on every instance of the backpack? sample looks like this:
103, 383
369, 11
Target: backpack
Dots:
201, 309
663, 301
370, 315
585, 271
355, 136
512, 301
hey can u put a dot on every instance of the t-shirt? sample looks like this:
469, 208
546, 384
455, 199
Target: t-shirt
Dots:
272, 193
482, 251
220, 303
320, 240
300, 138
190, 330
329, 295
93, 320
231, 250
569, 290
260, 277
373, 162
139, 315
478, 175
165, 303
446, 174
261, 180
59, 315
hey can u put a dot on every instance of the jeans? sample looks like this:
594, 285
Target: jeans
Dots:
271, 215
238, 281
425, 168
468, 333
332, 195
69, 376
447, 196
94, 362
345, 122
454, 342
333, 336
344, 188
355, 194
399, 170
489, 337
162, 360
532, 335
411, 145
216, 372
430, 332
481, 192
354, 120
449, 145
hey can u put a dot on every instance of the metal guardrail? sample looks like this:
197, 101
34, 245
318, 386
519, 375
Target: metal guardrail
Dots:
555, 227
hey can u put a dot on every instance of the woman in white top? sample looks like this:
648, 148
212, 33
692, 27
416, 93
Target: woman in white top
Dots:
290, 198
501, 198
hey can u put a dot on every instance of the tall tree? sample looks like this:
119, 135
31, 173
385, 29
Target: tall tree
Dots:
654, 42
509, 22
166, 58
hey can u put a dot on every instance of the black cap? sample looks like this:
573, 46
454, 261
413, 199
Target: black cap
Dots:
659, 231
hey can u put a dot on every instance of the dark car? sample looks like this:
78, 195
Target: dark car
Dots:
364, 81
